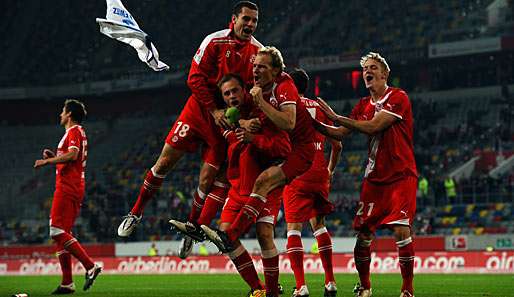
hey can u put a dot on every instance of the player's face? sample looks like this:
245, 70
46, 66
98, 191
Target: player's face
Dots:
263, 72
245, 23
374, 74
232, 92
64, 116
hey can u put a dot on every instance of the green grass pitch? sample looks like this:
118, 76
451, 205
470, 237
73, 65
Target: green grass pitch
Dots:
228, 285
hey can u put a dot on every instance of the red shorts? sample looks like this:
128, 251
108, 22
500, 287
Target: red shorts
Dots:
64, 212
298, 161
391, 204
235, 203
195, 127
303, 201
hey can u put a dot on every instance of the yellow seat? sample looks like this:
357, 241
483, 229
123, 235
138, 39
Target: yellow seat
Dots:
470, 208
484, 213
456, 231
500, 206
479, 230
448, 208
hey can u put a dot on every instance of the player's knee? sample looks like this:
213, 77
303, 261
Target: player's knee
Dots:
54, 231
265, 236
317, 222
401, 232
263, 182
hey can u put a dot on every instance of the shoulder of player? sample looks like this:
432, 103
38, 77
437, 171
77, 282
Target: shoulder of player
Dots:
398, 93
255, 42
215, 37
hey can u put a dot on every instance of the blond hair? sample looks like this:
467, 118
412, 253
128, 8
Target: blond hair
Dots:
276, 57
377, 57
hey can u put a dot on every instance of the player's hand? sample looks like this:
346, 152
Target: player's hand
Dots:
220, 119
327, 109
48, 154
40, 163
251, 125
243, 135
256, 93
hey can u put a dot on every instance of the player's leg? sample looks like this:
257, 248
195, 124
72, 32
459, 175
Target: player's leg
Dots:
362, 257
269, 179
167, 159
295, 253
270, 257
243, 263
215, 199
62, 216
324, 241
405, 244
67, 286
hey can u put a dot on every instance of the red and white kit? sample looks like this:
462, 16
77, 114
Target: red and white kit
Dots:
69, 180
388, 194
302, 137
220, 53
307, 195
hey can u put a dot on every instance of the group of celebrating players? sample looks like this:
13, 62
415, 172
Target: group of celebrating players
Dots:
273, 152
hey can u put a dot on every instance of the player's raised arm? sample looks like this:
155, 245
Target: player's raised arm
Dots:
284, 118
335, 155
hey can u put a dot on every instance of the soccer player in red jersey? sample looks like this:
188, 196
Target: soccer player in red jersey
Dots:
276, 96
248, 155
306, 199
230, 50
70, 163
388, 195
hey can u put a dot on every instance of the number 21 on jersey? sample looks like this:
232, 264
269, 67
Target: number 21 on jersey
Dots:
361, 209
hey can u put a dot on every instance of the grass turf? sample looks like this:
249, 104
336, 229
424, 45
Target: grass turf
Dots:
185, 285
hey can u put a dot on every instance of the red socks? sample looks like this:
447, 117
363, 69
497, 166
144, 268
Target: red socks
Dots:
270, 267
65, 261
244, 265
325, 253
295, 254
196, 207
150, 186
214, 202
362, 256
406, 261
71, 245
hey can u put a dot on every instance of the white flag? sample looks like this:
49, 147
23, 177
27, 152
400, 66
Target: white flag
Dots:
120, 25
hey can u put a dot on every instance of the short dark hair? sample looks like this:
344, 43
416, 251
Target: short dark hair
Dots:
231, 76
239, 7
301, 79
77, 109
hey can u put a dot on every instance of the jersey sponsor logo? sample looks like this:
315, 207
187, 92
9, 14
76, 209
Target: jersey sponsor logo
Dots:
174, 138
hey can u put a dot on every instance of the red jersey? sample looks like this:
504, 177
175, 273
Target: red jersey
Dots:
318, 172
220, 53
70, 176
390, 152
284, 92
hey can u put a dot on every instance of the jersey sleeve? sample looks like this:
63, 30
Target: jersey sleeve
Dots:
74, 139
397, 104
287, 94
203, 66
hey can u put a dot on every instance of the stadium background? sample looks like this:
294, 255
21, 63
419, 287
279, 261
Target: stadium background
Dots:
454, 58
